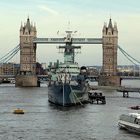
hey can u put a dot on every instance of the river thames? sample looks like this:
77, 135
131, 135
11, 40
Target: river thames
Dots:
44, 121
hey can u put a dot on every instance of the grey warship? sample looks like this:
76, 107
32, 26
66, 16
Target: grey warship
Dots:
68, 83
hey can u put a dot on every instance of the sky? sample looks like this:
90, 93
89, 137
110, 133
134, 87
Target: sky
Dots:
85, 16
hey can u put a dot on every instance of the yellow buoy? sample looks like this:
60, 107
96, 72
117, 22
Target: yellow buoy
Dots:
18, 111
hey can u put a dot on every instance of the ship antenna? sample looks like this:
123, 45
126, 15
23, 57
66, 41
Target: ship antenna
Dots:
68, 25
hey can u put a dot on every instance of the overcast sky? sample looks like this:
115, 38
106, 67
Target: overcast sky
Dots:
85, 16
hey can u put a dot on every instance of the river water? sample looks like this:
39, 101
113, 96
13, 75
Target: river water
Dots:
44, 121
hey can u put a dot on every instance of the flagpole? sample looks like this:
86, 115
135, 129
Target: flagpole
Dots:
63, 95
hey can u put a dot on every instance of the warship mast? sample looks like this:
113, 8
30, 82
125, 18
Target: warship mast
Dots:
68, 48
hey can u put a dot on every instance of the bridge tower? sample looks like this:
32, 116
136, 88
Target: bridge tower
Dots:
27, 75
109, 68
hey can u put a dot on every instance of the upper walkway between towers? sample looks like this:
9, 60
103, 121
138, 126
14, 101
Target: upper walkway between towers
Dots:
63, 40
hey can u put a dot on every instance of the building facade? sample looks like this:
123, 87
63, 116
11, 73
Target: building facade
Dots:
9, 69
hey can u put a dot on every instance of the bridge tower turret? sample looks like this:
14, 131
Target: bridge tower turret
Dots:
27, 49
110, 42
27, 75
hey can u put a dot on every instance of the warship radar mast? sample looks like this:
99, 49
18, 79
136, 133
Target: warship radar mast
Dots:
68, 48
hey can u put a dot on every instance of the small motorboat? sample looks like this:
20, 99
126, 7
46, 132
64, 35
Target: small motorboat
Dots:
18, 111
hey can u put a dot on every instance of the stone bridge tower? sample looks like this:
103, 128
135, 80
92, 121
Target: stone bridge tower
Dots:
109, 68
27, 75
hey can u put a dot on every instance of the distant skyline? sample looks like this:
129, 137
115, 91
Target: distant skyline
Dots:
85, 16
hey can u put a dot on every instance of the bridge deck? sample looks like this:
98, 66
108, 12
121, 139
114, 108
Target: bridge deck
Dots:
130, 77
126, 90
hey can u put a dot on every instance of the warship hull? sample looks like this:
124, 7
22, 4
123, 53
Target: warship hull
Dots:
67, 95
67, 84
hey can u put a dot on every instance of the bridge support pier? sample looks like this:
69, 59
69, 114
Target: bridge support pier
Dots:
125, 94
26, 81
109, 81
27, 75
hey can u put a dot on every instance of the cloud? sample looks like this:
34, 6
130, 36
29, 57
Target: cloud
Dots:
50, 10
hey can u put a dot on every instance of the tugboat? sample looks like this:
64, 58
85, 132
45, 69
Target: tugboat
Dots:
68, 84
130, 122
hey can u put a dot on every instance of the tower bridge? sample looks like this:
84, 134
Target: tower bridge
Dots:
28, 44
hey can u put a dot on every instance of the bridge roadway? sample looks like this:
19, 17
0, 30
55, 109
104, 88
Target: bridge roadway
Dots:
63, 40
127, 90
94, 76
130, 77
13, 76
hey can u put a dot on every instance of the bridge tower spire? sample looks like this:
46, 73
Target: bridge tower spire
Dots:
27, 75
110, 43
